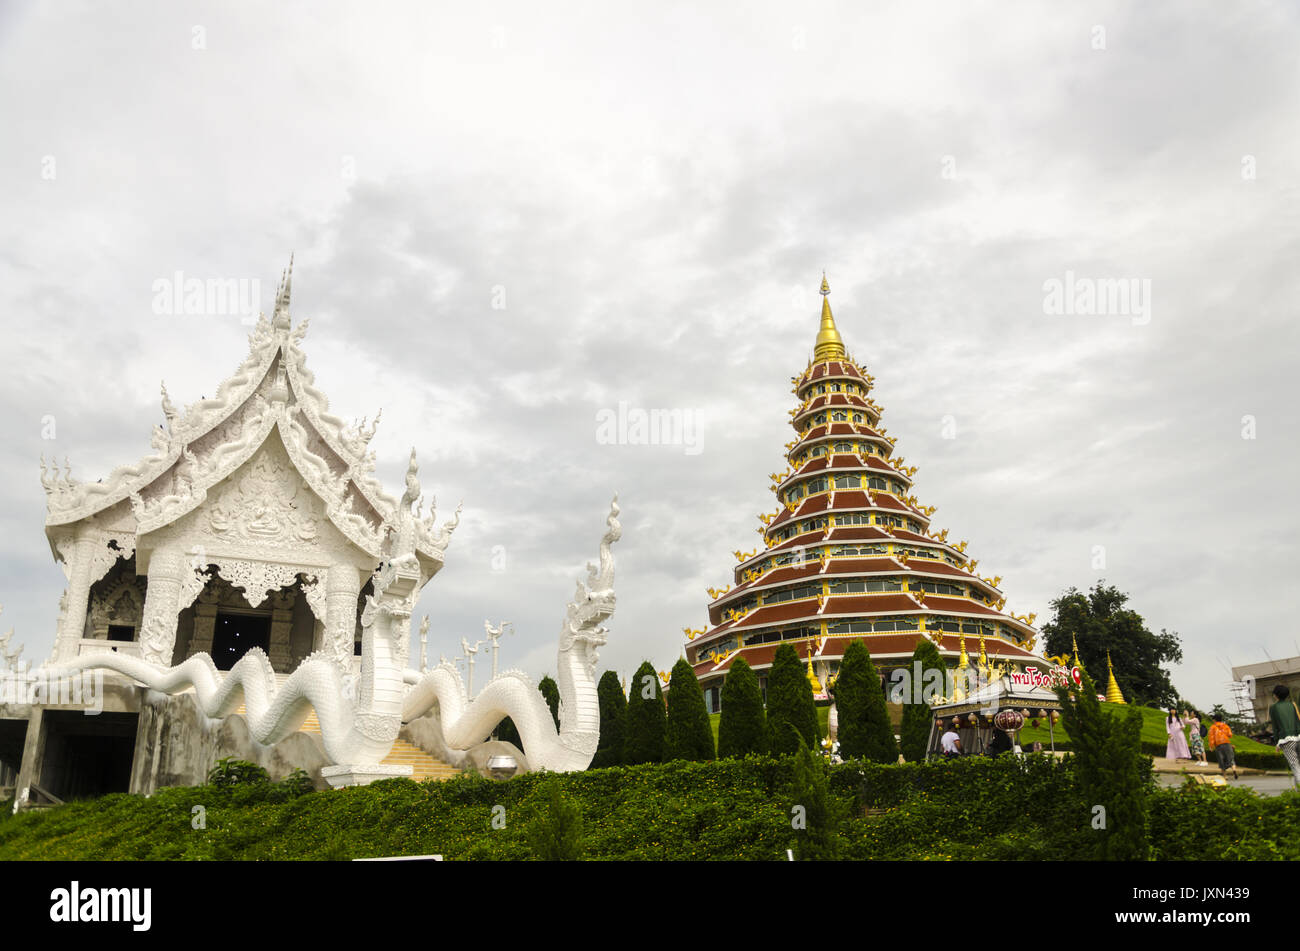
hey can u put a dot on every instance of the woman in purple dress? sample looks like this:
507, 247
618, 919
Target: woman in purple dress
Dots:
1177, 747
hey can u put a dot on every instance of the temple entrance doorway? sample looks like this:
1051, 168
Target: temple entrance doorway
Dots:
86, 757
235, 634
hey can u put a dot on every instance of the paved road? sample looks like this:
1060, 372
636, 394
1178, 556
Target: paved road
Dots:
1266, 784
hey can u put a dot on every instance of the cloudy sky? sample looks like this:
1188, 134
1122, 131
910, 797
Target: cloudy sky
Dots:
509, 220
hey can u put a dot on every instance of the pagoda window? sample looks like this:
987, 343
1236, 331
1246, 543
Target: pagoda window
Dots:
792, 594
857, 417
821, 388
844, 447
817, 485
853, 481
819, 419
837, 388
840, 416
819, 451
876, 482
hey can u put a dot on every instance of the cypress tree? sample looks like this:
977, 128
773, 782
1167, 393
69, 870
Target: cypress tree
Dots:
643, 739
508, 733
865, 731
1107, 754
551, 691
742, 727
816, 814
915, 732
790, 700
555, 835
613, 711
689, 734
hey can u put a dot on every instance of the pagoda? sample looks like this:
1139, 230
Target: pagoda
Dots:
850, 553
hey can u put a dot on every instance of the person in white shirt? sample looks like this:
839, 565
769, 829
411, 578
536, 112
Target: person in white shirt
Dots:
950, 744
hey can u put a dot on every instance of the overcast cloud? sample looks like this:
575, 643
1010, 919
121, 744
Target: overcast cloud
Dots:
653, 193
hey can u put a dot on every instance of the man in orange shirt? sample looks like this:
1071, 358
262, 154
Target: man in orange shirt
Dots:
1220, 741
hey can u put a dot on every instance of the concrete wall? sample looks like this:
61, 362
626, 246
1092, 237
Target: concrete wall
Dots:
177, 746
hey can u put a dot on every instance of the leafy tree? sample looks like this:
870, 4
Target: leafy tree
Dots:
643, 741
742, 727
864, 728
1101, 623
613, 712
1107, 753
815, 813
790, 700
551, 691
914, 734
556, 834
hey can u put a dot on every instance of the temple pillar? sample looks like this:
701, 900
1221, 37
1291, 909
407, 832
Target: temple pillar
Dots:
205, 621
342, 587
161, 606
77, 599
280, 651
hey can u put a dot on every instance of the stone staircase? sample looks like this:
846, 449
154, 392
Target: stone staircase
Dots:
423, 766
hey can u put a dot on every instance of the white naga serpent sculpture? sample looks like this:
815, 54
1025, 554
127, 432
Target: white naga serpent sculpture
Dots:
466, 723
361, 718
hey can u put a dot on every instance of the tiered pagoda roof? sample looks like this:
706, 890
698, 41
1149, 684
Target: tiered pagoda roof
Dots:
850, 553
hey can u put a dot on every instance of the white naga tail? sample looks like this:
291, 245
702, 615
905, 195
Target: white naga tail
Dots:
466, 723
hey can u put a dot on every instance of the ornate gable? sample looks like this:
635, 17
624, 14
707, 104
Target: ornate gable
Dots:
202, 447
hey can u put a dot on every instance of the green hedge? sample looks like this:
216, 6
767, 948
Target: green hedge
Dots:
974, 808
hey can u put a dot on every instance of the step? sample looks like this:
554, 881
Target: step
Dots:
423, 765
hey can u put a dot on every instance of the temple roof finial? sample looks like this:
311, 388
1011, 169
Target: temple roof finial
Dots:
829, 346
280, 319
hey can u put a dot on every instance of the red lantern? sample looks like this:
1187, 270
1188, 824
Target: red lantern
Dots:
1008, 720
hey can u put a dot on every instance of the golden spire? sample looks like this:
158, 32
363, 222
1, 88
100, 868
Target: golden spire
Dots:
829, 346
1112, 686
812, 677
1078, 661
963, 661
984, 658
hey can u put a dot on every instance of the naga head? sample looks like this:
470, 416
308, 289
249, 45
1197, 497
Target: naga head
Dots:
593, 601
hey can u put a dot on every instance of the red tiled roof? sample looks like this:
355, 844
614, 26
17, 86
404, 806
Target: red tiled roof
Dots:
904, 535
944, 605
851, 499
857, 533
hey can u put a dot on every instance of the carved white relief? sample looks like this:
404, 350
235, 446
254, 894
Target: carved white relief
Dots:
192, 582
265, 502
256, 579
314, 591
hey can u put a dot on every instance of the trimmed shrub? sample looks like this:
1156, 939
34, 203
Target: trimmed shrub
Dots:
790, 700
613, 711
914, 734
643, 741
864, 728
689, 734
551, 691
742, 725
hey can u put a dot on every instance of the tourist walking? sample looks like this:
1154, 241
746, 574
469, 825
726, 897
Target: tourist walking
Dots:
1195, 742
1220, 741
1176, 748
1285, 717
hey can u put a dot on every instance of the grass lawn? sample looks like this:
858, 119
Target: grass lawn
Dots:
1153, 731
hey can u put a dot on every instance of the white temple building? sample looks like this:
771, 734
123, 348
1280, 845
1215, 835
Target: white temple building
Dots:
247, 587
